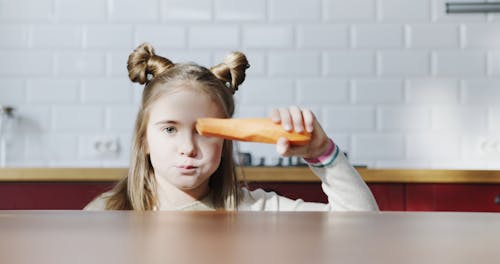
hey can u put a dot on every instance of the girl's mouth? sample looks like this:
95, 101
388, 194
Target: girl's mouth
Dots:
187, 169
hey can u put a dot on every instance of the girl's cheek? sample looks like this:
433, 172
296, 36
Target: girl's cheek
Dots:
210, 140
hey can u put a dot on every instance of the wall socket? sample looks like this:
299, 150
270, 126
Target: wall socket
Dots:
490, 146
105, 146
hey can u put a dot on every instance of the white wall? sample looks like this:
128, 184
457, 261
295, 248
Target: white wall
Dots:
397, 83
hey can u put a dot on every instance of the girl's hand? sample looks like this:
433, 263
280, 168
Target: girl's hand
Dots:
300, 120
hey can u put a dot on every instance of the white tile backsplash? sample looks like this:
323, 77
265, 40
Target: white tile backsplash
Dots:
240, 10
378, 36
349, 63
350, 11
482, 36
404, 63
480, 92
81, 11
186, 10
12, 91
494, 119
53, 90
135, 10
108, 91
388, 91
292, 64
266, 92
14, 36
78, 119
494, 63
295, 10
267, 36
396, 83
404, 119
378, 147
433, 91
464, 120
434, 36
38, 11
443, 146
110, 37
323, 91
56, 147
120, 118
213, 37
160, 36
460, 63
349, 119
398, 10
58, 36
80, 64
322, 36
27, 63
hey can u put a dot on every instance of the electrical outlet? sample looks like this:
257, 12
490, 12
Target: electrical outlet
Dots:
490, 146
105, 146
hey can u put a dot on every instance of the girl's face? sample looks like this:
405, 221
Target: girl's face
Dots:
180, 156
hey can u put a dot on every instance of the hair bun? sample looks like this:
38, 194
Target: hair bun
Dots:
232, 70
143, 62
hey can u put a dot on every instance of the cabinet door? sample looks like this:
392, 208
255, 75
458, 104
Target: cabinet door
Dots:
453, 197
389, 196
49, 195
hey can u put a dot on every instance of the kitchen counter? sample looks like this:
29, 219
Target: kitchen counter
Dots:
258, 174
256, 237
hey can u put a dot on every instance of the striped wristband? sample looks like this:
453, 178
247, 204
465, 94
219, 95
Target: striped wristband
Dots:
327, 158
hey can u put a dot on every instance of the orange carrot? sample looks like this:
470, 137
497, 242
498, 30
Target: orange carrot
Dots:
249, 129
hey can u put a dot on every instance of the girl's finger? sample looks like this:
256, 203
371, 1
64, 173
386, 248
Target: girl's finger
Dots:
308, 119
282, 146
286, 120
275, 115
297, 120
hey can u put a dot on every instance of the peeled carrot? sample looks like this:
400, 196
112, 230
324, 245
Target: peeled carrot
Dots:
249, 129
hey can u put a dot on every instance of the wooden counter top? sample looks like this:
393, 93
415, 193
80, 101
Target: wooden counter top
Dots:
260, 174
130, 237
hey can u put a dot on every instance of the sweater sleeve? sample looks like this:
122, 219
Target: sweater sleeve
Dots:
344, 187
98, 204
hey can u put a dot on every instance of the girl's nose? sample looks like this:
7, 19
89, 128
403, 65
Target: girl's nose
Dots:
188, 147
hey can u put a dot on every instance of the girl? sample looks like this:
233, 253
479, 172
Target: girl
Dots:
175, 168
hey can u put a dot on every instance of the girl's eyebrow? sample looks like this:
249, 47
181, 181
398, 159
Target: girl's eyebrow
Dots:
162, 122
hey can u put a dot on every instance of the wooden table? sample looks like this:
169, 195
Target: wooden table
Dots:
245, 237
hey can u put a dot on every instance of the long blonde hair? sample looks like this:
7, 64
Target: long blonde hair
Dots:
137, 191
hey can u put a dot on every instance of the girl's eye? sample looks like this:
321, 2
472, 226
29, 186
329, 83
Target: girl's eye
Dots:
169, 130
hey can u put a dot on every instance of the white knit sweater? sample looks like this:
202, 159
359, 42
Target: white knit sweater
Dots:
344, 187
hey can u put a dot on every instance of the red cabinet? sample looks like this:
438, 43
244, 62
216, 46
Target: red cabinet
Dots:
453, 197
49, 195
389, 196
407, 196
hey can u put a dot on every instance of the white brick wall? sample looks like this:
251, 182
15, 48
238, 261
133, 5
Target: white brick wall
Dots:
378, 36
349, 63
354, 10
395, 83
294, 10
240, 10
268, 37
434, 36
14, 36
94, 11
323, 36
186, 10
